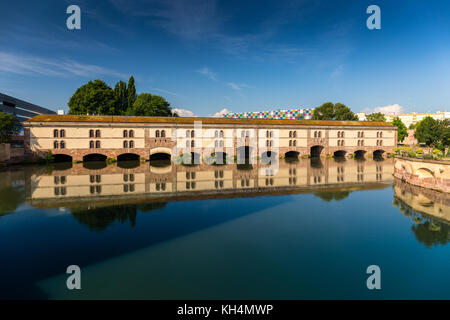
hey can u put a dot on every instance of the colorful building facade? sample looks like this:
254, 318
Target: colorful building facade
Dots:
292, 114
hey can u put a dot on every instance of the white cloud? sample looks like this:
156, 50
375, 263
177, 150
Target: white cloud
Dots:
192, 19
167, 92
237, 86
208, 73
221, 113
184, 112
32, 65
393, 108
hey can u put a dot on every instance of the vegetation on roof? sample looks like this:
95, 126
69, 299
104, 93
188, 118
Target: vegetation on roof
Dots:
181, 120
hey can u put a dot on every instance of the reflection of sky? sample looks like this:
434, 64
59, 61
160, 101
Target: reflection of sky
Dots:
300, 248
51, 244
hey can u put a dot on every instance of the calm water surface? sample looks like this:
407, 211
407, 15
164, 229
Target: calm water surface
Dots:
308, 229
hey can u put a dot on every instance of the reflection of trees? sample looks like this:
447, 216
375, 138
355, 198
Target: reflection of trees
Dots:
431, 233
336, 195
98, 219
147, 207
428, 231
10, 198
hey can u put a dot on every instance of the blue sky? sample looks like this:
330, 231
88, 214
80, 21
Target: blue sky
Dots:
204, 56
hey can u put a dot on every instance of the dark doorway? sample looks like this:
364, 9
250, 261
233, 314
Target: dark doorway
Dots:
339, 154
128, 157
94, 157
316, 151
62, 158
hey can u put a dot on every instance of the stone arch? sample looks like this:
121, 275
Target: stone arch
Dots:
316, 150
378, 153
339, 153
160, 156
360, 153
128, 157
292, 154
161, 150
61, 158
94, 157
424, 173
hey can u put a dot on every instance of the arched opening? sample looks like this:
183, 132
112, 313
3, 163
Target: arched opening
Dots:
128, 160
160, 159
160, 156
268, 156
359, 154
339, 154
243, 154
292, 154
62, 158
128, 157
94, 157
316, 151
378, 154
424, 173
221, 158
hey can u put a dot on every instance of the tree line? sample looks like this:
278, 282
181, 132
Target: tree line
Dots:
430, 131
97, 98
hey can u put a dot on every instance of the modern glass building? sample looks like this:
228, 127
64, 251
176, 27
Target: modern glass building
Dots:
22, 110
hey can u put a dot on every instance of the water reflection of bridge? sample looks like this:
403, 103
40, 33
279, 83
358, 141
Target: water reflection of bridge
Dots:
428, 209
113, 184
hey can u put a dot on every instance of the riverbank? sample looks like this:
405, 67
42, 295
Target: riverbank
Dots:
431, 174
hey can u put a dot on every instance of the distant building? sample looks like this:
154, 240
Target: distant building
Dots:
292, 114
410, 118
410, 139
413, 118
84, 138
361, 116
22, 110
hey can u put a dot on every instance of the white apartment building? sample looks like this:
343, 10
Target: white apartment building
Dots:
410, 118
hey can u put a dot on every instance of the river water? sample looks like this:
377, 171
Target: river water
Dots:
306, 229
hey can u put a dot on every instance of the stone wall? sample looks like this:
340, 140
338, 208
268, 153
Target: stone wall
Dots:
429, 174
5, 153
11, 155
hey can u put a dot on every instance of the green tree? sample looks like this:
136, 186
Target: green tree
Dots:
376, 117
429, 131
402, 132
334, 195
9, 126
331, 111
445, 133
131, 92
95, 98
147, 104
121, 97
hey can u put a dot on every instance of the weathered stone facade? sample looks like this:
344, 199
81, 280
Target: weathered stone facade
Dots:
429, 174
112, 137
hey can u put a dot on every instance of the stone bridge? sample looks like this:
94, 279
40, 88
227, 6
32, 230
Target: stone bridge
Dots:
430, 174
